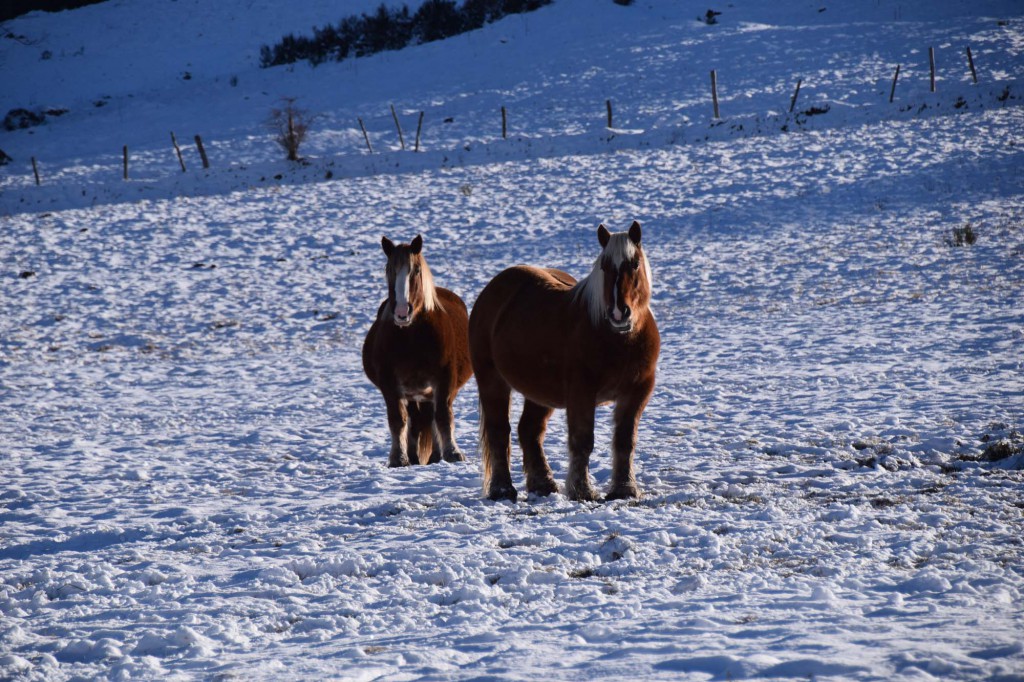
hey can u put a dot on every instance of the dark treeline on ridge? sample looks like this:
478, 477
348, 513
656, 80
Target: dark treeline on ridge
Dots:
391, 29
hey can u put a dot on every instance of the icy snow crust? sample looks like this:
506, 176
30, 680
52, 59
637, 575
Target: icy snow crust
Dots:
194, 466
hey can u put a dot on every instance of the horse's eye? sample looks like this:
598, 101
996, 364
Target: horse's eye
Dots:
636, 265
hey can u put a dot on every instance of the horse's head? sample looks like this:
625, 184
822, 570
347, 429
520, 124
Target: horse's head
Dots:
410, 284
625, 278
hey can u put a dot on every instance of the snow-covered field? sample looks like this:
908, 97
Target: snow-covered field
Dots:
194, 480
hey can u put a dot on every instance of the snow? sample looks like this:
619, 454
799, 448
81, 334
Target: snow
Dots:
194, 466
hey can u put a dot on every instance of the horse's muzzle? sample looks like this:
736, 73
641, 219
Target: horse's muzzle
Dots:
624, 326
403, 315
624, 323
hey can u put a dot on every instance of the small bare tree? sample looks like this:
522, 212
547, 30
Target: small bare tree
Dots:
290, 124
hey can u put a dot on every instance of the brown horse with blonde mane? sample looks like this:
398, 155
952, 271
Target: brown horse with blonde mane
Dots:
565, 344
417, 354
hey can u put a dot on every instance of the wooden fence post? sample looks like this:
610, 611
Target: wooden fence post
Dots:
202, 152
931, 63
419, 126
365, 136
792, 102
177, 150
504, 124
401, 139
895, 77
970, 63
608, 105
714, 91
35, 171
125, 151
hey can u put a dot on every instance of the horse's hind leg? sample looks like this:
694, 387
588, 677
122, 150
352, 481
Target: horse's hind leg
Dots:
532, 427
579, 417
398, 424
421, 446
444, 423
429, 446
495, 435
412, 432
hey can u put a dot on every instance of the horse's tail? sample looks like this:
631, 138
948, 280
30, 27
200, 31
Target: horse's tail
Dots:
486, 456
425, 443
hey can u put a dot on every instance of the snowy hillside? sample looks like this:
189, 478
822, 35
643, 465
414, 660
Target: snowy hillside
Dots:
194, 480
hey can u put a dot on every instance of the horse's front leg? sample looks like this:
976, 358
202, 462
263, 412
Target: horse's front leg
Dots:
627, 417
579, 416
398, 424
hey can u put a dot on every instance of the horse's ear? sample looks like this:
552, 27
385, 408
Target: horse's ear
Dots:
603, 235
417, 245
388, 246
634, 233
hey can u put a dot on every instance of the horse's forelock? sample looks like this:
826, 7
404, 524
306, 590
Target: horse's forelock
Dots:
620, 249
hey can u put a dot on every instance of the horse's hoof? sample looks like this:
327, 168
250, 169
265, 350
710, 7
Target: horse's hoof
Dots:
503, 493
627, 491
543, 489
395, 462
454, 456
586, 494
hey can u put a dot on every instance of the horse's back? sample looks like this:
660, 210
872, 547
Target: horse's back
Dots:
517, 285
522, 326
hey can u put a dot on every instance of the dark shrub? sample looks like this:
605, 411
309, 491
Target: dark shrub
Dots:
962, 236
290, 125
17, 119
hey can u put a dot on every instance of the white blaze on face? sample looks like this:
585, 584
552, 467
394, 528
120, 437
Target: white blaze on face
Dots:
402, 307
616, 302
622, 252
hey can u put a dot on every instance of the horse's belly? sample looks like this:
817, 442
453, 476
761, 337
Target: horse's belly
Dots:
538, 376
541, 394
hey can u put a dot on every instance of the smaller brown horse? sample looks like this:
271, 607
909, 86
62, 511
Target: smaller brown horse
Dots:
417, 354
563, 344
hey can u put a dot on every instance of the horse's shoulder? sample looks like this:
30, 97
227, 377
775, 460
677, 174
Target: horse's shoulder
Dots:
648, 342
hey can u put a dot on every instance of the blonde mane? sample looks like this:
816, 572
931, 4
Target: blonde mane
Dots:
430, 299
